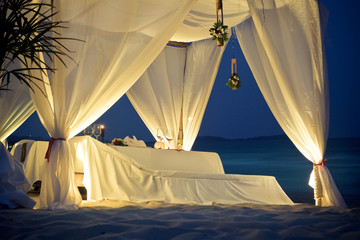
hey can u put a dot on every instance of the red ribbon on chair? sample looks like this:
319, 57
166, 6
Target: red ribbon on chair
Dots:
48, 152
321, 164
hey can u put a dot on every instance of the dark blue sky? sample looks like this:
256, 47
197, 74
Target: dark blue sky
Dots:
244, 113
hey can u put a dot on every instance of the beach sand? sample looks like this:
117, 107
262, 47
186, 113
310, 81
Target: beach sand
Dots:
109, 219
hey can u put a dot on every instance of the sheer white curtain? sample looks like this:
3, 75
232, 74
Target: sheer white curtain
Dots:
202, 64
15, 106
13, 183
283, 46
121, 39
157, 95
179, 80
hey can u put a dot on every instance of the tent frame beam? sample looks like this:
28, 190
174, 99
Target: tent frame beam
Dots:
178, 44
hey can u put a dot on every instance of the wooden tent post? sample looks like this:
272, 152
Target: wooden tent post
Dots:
219, 9
219, 18
181, 133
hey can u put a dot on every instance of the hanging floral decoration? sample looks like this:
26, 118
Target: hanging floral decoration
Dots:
219, 32
234, 81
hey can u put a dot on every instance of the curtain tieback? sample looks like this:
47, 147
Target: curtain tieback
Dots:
48, 152
321, 164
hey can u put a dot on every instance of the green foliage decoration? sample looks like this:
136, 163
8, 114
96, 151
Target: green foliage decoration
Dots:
219, 32
234, 82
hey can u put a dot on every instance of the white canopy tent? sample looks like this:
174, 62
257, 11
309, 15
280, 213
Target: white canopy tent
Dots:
122, 38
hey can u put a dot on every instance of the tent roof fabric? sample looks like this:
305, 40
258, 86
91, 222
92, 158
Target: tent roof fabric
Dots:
202, 16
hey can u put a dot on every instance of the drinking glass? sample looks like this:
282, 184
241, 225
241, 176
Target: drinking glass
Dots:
97, 130
169, 135
159, 134
89, 131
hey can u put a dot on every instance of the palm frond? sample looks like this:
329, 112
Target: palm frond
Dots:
27, 32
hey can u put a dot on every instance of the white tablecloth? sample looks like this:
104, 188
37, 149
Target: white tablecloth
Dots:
173, 160
149, 158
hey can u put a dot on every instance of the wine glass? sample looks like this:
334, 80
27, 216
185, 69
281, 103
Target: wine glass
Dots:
97, 130
159, 134
169, 135
89, 131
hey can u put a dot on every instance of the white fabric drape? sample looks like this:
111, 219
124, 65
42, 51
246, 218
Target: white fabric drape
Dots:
283, 46
202, 16
120, 43
178, 80
112, 174
15, 106
150, 158
202, 64
13, 184
157, 95
145, 174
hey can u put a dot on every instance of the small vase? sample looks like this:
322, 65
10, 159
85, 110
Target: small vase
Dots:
159, 145
219, 42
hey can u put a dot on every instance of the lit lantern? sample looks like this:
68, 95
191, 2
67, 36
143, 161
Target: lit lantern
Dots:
102, 132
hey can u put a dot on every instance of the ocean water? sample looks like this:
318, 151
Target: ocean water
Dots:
278, 157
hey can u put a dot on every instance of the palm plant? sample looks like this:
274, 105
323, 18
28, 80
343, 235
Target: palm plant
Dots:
27, 32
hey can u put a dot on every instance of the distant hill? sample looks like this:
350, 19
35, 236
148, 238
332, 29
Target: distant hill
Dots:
14, 139
274, 137
283, 136
212, 138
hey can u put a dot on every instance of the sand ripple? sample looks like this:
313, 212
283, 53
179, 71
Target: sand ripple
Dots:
155, 220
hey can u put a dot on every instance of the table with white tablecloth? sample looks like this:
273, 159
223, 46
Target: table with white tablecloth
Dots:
174, 160
145, 174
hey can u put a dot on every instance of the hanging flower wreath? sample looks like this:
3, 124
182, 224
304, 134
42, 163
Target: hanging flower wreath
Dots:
219, 32
234, 82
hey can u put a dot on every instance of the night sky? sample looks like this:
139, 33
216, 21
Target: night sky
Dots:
244, 113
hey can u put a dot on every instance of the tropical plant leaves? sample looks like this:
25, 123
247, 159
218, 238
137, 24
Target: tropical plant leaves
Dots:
26, 32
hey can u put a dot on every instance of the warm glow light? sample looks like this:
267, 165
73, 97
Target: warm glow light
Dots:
190, 118
102, 126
